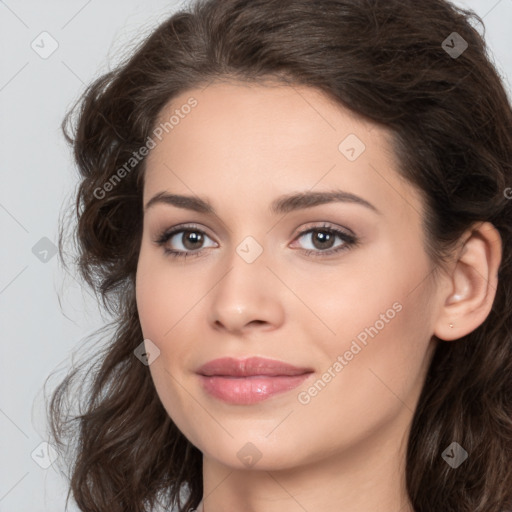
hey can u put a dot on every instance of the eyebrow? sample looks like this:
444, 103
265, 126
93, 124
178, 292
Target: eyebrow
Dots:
281, 205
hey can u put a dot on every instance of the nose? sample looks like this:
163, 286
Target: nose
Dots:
248, 297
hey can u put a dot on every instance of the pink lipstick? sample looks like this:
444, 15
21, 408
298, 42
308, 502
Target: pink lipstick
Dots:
248, 381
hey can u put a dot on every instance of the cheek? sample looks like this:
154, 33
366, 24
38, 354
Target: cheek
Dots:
373, 371
150, 305
160, 310
165, 305
366, 291
161, 298
379, 315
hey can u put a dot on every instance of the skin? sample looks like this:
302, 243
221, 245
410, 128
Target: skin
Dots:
240, 148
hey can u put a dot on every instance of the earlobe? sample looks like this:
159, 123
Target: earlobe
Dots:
473, 284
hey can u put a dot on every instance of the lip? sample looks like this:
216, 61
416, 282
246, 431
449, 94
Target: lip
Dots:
251, 380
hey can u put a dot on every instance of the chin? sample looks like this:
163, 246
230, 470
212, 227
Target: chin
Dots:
256, 453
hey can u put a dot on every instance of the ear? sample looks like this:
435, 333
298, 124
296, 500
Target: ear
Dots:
472, 283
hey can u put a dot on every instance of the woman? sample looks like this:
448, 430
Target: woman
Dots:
299, 214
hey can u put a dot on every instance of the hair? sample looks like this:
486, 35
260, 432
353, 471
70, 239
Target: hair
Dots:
451, 125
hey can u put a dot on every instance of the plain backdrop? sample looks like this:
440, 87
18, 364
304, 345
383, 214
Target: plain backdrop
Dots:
50, 50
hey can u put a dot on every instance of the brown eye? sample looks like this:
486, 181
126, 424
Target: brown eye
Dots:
184, 241
322, 241
192, 240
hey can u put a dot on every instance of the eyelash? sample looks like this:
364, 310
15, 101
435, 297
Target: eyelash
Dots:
348, 239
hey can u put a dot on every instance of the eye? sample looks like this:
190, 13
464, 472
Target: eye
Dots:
189, 241
184, 240
322, 240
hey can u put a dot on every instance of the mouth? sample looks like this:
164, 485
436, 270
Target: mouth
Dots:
248, 381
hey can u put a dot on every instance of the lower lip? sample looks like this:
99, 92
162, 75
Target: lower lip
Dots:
250, 390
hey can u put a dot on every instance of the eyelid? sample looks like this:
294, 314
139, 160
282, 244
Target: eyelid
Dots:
319, 225
313, 225
187, 226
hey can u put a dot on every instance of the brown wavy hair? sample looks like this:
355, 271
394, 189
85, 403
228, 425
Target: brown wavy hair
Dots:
452, 130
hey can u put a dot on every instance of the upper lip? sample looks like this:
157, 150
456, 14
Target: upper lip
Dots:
231, 367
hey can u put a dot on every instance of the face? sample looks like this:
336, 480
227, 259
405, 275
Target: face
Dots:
337, 286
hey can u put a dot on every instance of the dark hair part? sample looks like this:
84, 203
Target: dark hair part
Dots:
452, 133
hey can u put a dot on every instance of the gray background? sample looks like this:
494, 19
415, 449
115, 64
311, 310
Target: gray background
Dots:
45, 313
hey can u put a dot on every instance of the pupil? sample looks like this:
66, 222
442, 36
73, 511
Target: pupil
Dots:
191, 237
325, 239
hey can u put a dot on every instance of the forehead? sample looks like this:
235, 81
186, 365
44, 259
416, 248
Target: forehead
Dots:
251, 140
272, 117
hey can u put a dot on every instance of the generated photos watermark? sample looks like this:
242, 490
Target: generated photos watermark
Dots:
360, 342
137, 156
